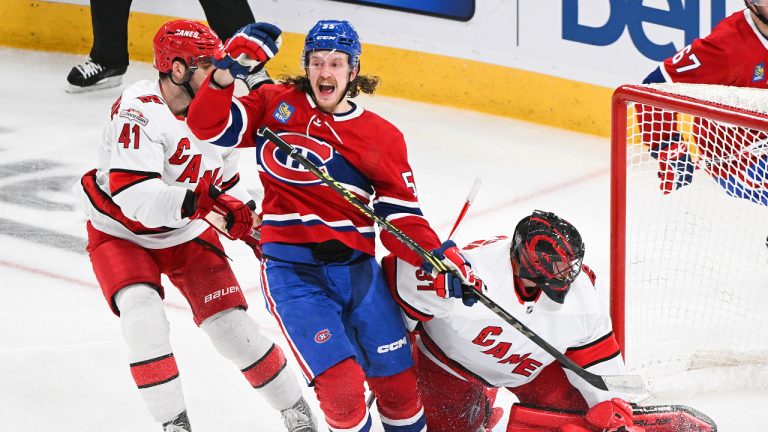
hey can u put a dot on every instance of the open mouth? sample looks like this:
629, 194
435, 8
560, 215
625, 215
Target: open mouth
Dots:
326, 89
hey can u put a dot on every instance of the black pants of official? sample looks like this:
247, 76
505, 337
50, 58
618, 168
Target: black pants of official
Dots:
110, 26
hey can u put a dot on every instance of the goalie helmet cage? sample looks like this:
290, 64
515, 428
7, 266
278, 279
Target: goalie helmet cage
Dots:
689, 268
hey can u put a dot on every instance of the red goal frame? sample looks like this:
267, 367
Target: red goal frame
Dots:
622, 97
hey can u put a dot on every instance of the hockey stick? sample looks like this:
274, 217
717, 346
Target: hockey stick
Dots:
468, 202
619, 383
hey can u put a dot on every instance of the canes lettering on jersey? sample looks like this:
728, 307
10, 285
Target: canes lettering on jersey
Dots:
473, 342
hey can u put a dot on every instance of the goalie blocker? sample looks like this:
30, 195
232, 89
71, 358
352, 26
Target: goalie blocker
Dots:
654, 418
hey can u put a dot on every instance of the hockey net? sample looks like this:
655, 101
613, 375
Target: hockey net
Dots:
689, 270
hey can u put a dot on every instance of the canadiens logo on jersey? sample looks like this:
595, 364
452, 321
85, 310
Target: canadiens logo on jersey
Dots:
134, 115
283, 112
279, 165
759, 73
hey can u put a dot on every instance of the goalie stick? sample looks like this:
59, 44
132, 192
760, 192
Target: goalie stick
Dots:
619, 383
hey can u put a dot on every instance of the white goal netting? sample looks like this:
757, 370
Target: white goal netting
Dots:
696, 229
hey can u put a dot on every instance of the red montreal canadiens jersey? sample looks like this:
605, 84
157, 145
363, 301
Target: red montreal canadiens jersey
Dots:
359, 149
734, 54
147, 160
473, 342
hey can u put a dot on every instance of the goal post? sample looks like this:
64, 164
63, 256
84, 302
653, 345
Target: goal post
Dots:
689, 264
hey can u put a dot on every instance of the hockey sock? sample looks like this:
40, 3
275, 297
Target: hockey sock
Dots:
398, 401
146, 331
341, 394
238, 337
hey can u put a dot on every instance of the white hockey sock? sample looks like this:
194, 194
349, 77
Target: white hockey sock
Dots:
146, 331
238, 337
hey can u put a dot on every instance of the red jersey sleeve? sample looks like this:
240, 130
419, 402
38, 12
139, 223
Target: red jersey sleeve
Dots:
397, 202
219, 118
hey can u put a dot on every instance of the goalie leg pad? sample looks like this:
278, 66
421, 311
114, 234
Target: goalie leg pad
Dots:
551, 389
656, 418
451, 404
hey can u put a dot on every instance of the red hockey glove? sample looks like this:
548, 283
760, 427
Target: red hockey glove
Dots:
614, 415
675, 165
249, 48
208, 198
254, 240
460, 283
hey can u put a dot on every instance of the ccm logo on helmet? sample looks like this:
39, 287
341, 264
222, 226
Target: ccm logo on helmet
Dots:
325, 37
396, 345
187, 33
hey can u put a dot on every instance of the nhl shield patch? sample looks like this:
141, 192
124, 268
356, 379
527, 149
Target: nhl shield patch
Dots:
283, 112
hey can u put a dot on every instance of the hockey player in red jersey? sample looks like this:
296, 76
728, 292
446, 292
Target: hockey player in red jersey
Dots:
734, 54
145, 204
538, 277
319, 275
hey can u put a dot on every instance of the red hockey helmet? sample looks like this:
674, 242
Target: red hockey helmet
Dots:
548, 251
187, 40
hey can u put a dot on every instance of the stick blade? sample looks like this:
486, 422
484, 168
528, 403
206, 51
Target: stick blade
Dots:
629, 384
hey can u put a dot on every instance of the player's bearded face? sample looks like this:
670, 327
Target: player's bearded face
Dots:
200, 71
329, 73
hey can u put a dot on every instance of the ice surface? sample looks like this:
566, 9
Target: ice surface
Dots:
63, 364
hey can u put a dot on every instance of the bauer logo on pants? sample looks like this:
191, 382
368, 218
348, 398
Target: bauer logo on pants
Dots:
221, 293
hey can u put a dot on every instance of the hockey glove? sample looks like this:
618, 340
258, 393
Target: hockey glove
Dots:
254, 241
208, 198
249, 49
612, 416
461, 282
675, 164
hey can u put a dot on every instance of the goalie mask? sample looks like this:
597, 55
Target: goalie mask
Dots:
548, 251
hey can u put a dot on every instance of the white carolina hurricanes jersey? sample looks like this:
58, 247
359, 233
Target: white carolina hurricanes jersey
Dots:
473, 342
147, 160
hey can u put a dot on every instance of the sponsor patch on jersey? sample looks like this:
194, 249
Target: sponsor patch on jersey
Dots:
322, 336
134, 115
283, 112
759, 73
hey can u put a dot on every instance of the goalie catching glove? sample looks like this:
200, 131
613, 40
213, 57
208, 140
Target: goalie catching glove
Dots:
249, 49
208, 198
459, 281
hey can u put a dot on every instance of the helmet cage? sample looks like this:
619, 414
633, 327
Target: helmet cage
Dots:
549, 252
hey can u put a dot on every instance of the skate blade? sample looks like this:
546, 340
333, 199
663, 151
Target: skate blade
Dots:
106, 83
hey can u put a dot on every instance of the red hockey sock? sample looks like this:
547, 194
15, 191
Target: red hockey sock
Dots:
397, 395
341, 394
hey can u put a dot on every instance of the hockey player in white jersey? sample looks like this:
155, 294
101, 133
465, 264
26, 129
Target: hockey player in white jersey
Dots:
146, 203
462, 352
